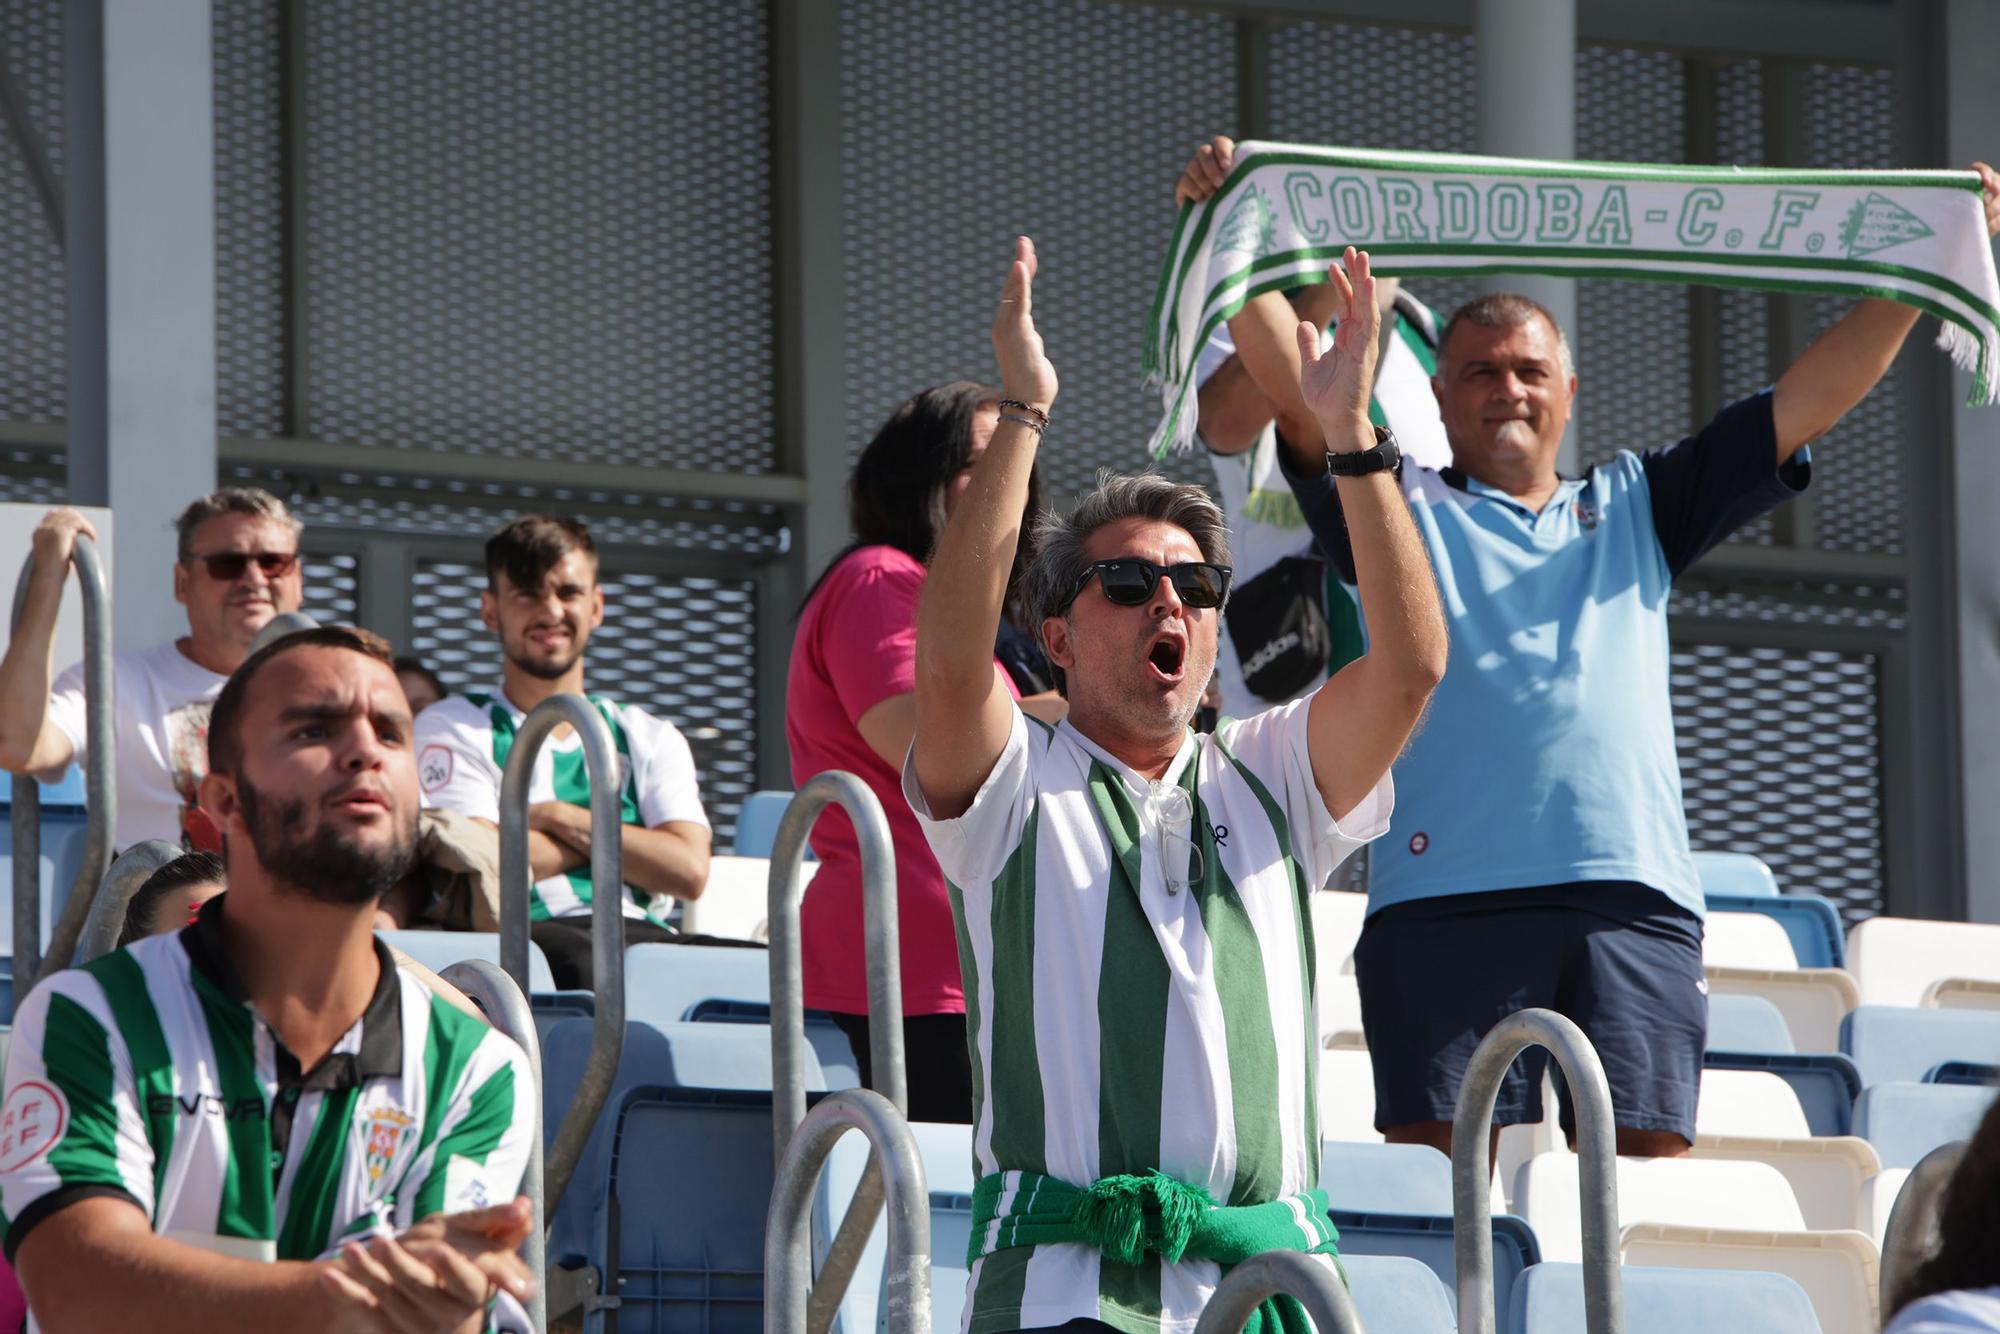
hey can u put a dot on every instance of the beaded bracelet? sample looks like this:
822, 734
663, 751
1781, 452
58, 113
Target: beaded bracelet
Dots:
1019, 420
1041, 418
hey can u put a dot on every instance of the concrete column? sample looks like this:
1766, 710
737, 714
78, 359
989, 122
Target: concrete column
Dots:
140, 194
1527, 108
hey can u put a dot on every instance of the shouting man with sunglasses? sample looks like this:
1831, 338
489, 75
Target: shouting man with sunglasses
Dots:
1132, 897
238, 567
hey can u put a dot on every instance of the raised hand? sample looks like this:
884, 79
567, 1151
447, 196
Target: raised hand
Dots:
1337, 386
1025, 372
1205, 171
1989, 181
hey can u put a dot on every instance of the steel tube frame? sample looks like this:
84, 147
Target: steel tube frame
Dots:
788, 1285
100, 772
506, 1007
1293, 1273
1906, 1241
607, 913
1472, 1168
129, 870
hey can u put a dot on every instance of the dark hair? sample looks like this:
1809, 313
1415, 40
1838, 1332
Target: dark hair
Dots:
1968, 1222
254, 501
224, 720
527, 548
190, 868
415, 667
896, 494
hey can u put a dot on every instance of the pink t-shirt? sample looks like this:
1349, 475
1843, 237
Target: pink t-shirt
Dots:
857, 646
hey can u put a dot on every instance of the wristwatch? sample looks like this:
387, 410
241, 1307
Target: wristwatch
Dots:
1383, 458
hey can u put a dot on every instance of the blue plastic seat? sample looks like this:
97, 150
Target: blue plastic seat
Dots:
1963, 1072
1895, 1042
439, 950
1746, 1023
1428, 1238
65, 831
552, 1007
757, 824
1385, 1178
1811, 923
947, 1155
1394, 1294
1549, 1300
663, 983
1735, 873
1905, 1121
829, 1042
1826, 1083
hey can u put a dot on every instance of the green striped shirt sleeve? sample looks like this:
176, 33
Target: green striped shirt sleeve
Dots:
480, 1152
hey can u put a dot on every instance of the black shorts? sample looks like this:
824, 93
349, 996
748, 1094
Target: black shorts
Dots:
1620, 960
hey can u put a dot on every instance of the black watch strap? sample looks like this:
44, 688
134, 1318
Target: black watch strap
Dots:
1382, 458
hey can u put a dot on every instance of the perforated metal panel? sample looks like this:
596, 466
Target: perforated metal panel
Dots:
249, 219
540, 229
681, 648
32, 323
332, 587
965, 123
1781, 756
1421, 95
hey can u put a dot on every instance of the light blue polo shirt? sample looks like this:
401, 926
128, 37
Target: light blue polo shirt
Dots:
1547, 757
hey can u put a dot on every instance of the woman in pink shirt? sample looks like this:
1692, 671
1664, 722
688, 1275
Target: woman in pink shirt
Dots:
850, 704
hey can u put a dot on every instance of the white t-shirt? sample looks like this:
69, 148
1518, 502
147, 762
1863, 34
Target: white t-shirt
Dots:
160, 705
1265, 524
1950, 1313
458, 770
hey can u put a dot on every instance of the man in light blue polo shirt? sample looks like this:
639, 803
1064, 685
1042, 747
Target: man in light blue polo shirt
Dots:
1541, 855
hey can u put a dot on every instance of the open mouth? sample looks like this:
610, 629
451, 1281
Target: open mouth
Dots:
1167, 657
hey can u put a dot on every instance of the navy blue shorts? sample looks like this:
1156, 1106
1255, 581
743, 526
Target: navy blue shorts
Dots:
1620, 960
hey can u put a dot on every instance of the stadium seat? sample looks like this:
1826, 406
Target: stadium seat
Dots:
1394, 1294
1895, 959
1905, 1121
1963, 1072
1340, 1009
1828, 1175
439, 950
829, 1043
1837, 1270
1812, 1000
1963, 993
947, 1155
664, 982
1337, 920
1756, 1103
736, 902
1895, 1042
65, 833
1811, 923
757, 824
1691, 1192
1549, 1300
1746, 1023
1737, 874
1878, 1199
1385, 1178
1746, 940
1428, 1238
552, 1007
1347, 1096
1825, 1083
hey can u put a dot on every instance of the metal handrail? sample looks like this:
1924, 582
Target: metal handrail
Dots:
108, 910
885, 1001
607, 912
1472, 1168
1264, 1276
788, 1285
1911, 1235
100, 773
506, 1007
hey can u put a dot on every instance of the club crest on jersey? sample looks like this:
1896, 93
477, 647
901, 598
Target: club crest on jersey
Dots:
32, 1121
434, 767
387, 1128
1587, 514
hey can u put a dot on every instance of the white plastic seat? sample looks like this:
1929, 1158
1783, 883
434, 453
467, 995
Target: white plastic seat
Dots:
1878, 1198
1829, 1175
736, 903
947, 1155
1895, 959
439, 950
1756, 1103
1963, 993
1682, 1191
1340, 1010
1812, 1000
1746, 940
1347, 1096
1839, 1270
1735, 873
1338, 915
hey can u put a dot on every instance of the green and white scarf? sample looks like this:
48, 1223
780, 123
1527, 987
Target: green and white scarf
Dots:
1918, 237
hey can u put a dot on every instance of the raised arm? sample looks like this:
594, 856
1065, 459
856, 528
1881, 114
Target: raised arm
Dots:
964, 713
1364, 715
1851, 357
29, 741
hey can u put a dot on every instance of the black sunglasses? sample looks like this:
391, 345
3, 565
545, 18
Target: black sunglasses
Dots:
228, 566
1129, 581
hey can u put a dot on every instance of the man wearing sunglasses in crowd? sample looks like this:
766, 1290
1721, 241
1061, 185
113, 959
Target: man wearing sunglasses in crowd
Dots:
1131, 898
237, 567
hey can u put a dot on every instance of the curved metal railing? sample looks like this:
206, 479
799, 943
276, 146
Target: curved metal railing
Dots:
1911, 1235
789, 1291
100, 773
506, 1007
1295, 1274
885, 1002
113, 901
1472, 1168
607, 924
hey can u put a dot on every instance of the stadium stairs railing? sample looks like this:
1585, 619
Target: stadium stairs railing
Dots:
1262, 1277
122, 879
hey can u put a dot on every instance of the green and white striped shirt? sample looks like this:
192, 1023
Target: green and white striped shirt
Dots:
146, 1075
1139, 988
